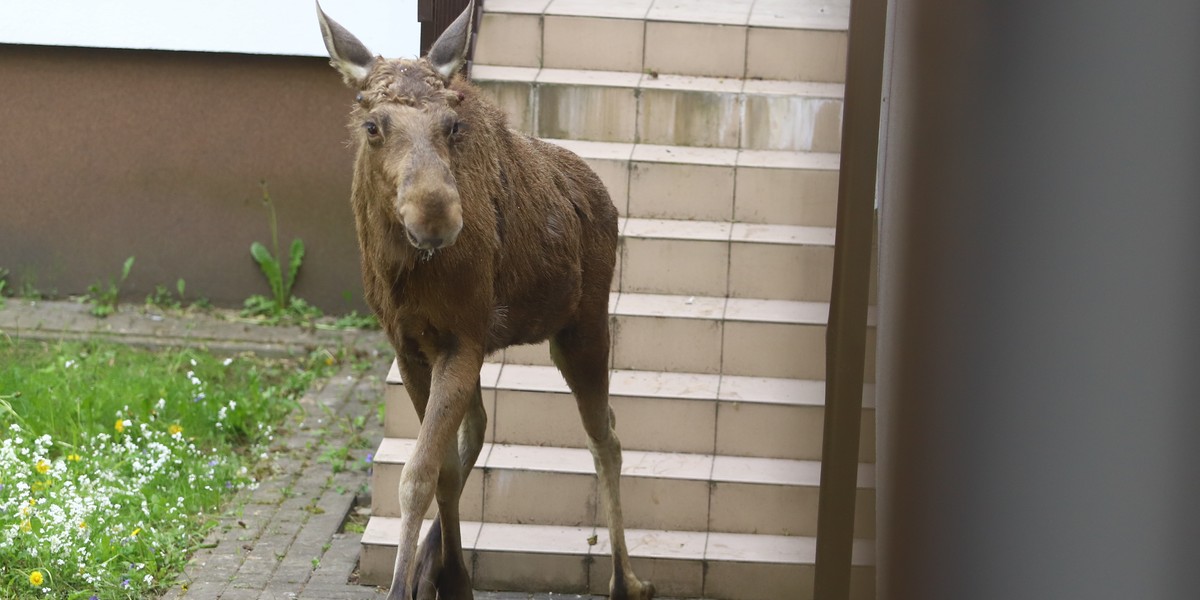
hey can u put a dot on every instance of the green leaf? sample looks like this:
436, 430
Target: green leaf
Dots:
270, 268
297, 256
179, 286
126, 268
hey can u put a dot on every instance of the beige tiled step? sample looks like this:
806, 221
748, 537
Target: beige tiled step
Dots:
667, 109
678, 491
730, 336
717, 258
648, 181
575, 560
773, 39
657, 412
718, 336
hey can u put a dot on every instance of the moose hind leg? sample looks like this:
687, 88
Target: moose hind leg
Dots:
440, 570
582, 357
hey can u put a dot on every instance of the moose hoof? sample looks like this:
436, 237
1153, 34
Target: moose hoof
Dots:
633, 590
436, 580
648, 590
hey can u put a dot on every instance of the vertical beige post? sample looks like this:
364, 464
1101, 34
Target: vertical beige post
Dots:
846, 334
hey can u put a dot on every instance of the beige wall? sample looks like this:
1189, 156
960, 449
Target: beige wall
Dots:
110, 153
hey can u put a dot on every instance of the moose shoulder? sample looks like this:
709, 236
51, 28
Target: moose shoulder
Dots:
473, 238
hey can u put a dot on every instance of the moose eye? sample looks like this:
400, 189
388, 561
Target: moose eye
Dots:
372, 128
456, 127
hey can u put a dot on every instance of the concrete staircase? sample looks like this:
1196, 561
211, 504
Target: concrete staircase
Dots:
715, 125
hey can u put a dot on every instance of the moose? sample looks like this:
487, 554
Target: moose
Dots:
474, 237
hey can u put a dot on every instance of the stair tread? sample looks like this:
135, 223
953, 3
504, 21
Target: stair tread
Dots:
656, 81
790, 14
720, 231
642, 543
535, 7
730, 157
639, 463
663, 384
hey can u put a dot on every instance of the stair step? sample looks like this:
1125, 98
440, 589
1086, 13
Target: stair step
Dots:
741, 260
706, 492
733, 336
667, 109
708, 414
717, 335
682, 564
686, 183
725, 38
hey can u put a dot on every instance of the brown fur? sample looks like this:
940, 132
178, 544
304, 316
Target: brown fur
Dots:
524, 240
537, 223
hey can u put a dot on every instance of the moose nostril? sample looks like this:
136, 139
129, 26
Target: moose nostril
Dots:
423, 242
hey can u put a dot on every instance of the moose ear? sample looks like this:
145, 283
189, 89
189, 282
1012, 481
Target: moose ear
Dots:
346, 53
449, 52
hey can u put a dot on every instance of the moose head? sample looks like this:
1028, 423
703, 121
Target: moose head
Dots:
406, 128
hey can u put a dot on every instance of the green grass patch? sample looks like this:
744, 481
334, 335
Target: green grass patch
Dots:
114, 462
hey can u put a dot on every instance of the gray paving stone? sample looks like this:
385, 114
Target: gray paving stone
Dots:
239, 593
341, 593
204, 590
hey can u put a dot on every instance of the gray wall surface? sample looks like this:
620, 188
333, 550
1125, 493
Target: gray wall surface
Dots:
106, 154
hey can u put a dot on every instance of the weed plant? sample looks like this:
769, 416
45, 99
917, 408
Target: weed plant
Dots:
114, 462
3, 285
281, 306
103, 296
164, 299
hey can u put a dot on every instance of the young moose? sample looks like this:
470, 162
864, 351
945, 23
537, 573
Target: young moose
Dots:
473, 238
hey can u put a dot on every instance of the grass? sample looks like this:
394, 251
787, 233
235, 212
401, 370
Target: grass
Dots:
114, 462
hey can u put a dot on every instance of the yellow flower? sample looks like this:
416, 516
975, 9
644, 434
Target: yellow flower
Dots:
120, 426
74, 457
35, 578
135, 532
174, 429
83, 524
329, 361
42, 466
26, 526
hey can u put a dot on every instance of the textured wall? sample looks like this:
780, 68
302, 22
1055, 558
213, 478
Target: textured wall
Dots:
111, 153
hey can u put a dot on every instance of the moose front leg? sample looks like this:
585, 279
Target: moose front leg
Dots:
440, 573
455, 376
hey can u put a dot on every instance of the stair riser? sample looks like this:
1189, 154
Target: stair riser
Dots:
722, 427
701, 49
385, 493
698, 345
519, 496
719, 268
674, 117
583, 574
729, 580
662, 190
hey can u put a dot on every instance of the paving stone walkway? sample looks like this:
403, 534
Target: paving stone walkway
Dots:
285, 539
